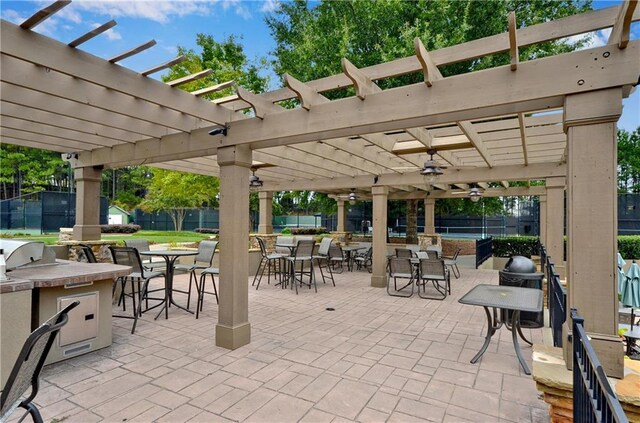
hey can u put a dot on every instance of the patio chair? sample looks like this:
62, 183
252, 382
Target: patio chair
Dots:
86, 254
365, 260
336, 258
285, 240
452, 263
436, 272
302, 256
26, 370
128, 256
324, 257
400, 268
210, 271
435, 248
413, 247
202, 260
143, 245
268, 262
404, 253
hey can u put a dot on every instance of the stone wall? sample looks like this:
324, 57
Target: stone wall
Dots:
426, 240
450, 246
100, 249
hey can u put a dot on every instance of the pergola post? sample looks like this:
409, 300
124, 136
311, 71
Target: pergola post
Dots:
543, 220
233, 329
265, 226
590, 123
87, 225
379, 272
342, 216
554, 231
429, 216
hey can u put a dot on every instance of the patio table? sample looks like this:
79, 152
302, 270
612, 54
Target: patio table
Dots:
170, 257
506, 298
348, 249
632, 335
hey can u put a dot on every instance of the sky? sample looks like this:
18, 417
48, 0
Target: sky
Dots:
175, 23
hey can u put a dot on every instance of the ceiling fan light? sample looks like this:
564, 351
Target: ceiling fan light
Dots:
352, 198
475, 194
254, 181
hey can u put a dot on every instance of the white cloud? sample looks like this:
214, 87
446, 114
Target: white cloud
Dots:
597, 38
269, 6
158, 11
111, 34
13, 16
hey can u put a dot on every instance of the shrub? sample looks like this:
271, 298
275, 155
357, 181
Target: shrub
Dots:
629, 246
286, 231
308, 231
515, 246
119, 229
207, 231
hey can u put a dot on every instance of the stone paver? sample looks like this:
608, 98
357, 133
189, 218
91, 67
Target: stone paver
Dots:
374, 359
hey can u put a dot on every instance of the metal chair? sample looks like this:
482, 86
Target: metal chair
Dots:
211, 271
400, 268
452, 263
285, 240
404, 253
336, 258
128, 256
365, 260
267, 262
203, 260
143, 245
86, 254
436, 272
26, 370
302, 256
324, 257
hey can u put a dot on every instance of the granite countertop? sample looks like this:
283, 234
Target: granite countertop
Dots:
64, 273
15, 285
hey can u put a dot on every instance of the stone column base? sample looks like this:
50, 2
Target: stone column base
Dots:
86, 232
233, 337
265, 229
379, 281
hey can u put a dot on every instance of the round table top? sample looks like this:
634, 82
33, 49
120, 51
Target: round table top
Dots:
168, 253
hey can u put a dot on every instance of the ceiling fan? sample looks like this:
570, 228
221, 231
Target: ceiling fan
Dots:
254, 181
429, 168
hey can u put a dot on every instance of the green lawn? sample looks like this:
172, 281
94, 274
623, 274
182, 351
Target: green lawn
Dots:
154, 237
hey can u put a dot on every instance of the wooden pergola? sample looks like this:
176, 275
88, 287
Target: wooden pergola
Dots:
551, 119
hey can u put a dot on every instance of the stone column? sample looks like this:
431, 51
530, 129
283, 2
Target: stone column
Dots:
379, 272
429, 216
87, 225
233, 329
554, 231
592, 198
265, 226
342, 216
543, 220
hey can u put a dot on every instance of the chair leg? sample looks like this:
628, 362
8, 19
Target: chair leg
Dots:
33, 411
138, 312
260, 265
261, 268
192, 279
215, 290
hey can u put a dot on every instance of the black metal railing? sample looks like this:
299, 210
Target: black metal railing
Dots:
484, 250
593, 398
556, 297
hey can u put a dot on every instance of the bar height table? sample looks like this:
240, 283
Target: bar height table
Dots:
507, 298
170, 257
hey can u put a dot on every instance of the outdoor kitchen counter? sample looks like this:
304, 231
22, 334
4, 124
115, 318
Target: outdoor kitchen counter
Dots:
66, 273
34, 294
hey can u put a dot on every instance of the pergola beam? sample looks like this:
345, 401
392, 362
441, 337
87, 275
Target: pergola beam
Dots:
363, 84
513, 40
133, 51
489, 193
622, 26
523, 137
308, 96
175, 61
93, 33
214, 88
261, 107
452, 176
475, 138
190, 78
43, 14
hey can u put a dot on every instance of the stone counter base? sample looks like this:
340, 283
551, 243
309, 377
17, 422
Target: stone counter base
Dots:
100, 249
556, 384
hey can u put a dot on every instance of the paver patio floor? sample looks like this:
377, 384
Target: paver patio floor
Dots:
375, 358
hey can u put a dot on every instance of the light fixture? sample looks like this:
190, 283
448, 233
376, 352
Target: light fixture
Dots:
475, 194
254, 181
352, 197
218, 131
431, 169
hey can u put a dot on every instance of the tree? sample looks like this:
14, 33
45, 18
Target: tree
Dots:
629, 161
175, 192
311, 41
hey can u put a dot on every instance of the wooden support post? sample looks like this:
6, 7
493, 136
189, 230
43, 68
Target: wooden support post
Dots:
513, 41
429, 216
233, 329
342, 216
543, 220
87, 225
265, 226
590, 123
554, 231
379, 272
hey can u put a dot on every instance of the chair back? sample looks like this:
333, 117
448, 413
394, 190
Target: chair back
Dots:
325, 244
206, 251
400, 267
413, 247
285, 240
456, 254
127, 256
335, 251
139, 244
422, 254
369, 254
432, 254
26, 370
436, 248
86, 253
432, 269
404, 253
263, 247
304, 248
303, 238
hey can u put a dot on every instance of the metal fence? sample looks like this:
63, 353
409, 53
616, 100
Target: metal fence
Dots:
593, 398
194, 218
484, 250
556, 298
43, 212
